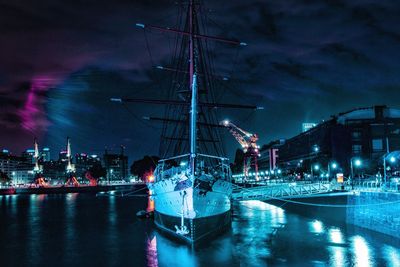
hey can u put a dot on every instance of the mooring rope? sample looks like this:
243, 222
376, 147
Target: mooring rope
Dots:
130, 194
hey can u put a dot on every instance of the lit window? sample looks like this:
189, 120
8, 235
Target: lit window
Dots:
356, 149
356, 135
377, 145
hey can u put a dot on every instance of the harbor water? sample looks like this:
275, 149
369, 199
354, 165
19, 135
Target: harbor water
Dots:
88, 230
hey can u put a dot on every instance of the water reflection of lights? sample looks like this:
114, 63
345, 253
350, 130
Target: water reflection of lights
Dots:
337, 257
277, 215
316, 227
152, 259
337, 254
259, 224
167, 252
391, 255
112, 213
336, 236
150, 202
361, 251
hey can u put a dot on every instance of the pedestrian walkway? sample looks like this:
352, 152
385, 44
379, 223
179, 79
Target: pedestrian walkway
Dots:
281, 191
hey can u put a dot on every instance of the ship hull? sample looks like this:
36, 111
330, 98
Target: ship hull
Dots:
206, 210
199, 228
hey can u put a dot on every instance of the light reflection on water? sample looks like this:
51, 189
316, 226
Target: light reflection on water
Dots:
86, 230
337, 256
316, 227
336, 236
70, 214
391, 255
363, 256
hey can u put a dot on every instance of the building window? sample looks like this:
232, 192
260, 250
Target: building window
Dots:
356, 149
356, 135
377, 145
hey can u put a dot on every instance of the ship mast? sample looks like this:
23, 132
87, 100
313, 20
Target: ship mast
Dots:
192, 83
196, 71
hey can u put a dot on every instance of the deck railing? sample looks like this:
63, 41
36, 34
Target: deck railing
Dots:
205, 163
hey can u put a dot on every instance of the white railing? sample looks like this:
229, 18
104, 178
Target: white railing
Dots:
377, 186
221, 167
288, 190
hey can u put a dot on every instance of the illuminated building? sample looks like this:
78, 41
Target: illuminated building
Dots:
307, 126
366, 133
83, 162
29, 155
45, 154
19, 169
116, 166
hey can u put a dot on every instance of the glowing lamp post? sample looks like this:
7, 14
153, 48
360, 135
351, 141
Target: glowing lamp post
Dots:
331, 166
357, 162
392, 160
314, 168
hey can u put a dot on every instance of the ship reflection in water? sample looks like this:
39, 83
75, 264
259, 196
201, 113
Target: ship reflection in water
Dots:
85, 230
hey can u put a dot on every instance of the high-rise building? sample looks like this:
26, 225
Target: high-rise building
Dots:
83, 162
29, 155
63, 156
116, 166
19, 169
45, 154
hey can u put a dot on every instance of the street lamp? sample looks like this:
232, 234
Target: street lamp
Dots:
392, 159
331, 166
357, 163
316, 168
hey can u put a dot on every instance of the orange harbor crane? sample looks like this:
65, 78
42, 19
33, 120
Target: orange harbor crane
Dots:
248, 141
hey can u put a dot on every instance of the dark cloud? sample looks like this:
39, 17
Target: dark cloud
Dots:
62, 60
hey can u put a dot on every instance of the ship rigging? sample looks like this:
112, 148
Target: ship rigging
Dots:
192, 187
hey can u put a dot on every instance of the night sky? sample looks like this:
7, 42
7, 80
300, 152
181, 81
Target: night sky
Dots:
61, 61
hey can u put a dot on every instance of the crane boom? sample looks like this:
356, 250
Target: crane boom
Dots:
248, 141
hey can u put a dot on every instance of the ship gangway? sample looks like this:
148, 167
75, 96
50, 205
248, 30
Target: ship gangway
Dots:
281, 191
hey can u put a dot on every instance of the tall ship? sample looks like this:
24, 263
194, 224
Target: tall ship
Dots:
192, 183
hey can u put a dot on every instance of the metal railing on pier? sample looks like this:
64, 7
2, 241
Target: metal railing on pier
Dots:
281, 191
377, 186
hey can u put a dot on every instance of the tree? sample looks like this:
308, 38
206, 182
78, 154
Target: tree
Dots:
4, 178
145, 165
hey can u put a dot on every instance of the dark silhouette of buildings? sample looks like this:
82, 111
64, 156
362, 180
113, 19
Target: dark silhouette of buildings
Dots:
365, 134
116, 165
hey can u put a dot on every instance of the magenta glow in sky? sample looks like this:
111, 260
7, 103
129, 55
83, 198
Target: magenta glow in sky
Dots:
60, 62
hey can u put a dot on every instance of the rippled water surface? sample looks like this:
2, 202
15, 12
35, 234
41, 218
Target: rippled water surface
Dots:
85, 230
